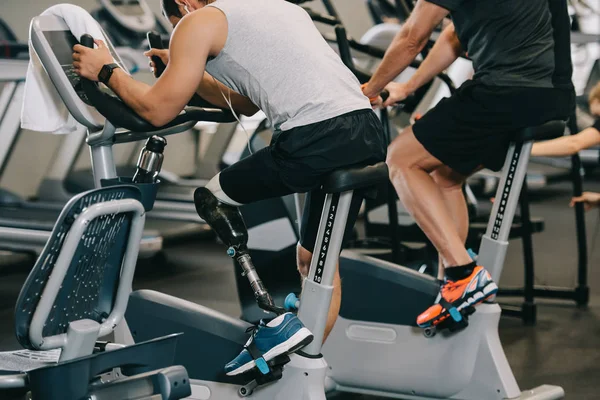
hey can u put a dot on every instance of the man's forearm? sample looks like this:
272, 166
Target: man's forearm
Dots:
559, 147
399, 55
445, 51
214, 91
133, 93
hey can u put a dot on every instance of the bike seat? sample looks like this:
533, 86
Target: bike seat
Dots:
344, 180
549, 130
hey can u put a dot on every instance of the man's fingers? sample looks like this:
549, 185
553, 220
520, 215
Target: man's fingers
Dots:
390, 101
80, 49
377, 103
76, 57
76, 64
99, 43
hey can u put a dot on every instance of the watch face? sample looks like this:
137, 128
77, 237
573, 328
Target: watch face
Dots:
104, 74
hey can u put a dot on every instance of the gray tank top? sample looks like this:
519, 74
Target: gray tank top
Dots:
275, 56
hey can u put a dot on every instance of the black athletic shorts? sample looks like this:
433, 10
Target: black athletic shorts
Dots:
298, 159
474, 126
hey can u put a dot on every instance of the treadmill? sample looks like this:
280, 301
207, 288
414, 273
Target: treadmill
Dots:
25, 226
126, 23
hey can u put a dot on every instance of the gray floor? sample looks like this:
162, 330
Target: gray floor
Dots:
562, 349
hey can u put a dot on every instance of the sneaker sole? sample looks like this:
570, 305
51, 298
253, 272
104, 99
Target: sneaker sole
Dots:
486, 292
300, 339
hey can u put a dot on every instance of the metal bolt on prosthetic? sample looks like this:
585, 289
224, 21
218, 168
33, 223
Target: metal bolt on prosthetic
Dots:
228, 224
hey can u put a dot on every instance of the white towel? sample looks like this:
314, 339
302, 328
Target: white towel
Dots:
43, 109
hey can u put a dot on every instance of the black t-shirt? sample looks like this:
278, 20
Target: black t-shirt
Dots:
523, 43
597, 124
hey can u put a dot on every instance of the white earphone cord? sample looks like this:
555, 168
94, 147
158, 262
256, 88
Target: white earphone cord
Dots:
228, 101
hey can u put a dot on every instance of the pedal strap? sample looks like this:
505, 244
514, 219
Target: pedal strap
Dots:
452, 310
257, 356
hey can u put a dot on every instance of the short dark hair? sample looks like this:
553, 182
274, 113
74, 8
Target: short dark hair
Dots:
170, 9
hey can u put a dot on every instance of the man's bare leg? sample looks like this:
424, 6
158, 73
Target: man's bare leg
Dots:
410, 167
303, 259
451, 185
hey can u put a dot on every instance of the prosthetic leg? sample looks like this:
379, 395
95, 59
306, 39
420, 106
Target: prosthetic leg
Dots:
227, 222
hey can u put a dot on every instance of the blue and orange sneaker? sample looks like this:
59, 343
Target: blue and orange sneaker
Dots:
457, 297
283, 335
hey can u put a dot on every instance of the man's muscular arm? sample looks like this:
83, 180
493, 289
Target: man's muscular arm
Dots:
407, 44
210, 89
444, 52
162, 102
213, 91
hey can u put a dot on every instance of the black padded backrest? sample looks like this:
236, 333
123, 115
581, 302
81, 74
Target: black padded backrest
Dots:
355, 178
549, 130
90, 285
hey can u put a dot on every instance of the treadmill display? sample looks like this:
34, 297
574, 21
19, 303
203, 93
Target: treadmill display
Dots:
62, 43
130, 8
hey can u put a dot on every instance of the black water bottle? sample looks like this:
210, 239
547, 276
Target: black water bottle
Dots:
150, 160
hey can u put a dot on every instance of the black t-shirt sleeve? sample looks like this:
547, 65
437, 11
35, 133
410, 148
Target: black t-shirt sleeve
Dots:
597, 125
450, 5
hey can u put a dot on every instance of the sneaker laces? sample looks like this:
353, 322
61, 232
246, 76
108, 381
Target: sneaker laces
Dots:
450, 287
252, 330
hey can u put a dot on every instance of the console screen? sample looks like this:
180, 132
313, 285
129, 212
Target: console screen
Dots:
62, 43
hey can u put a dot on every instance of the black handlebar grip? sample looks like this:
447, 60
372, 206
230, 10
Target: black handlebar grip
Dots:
87, 40
155, 42
384, 95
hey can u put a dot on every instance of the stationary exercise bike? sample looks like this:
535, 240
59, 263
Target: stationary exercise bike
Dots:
375, 346
211, 339
375, 329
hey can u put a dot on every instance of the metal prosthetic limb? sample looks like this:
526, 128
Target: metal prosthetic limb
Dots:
228, 224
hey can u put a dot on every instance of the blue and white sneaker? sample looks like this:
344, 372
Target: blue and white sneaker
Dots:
283, 335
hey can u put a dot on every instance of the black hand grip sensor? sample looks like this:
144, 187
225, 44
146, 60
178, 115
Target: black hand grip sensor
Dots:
384, 95
155, 42
87, 41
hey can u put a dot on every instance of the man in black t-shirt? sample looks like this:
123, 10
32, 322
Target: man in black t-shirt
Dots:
521, 56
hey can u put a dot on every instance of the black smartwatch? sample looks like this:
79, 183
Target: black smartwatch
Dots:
106, 72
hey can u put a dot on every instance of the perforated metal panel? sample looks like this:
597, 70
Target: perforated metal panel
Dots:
92, 279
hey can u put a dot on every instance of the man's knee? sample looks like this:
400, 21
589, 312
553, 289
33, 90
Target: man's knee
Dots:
303, 258
214, 185
406, 153
447, 179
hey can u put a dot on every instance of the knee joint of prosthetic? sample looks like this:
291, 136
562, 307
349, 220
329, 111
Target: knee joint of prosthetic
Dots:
227, 222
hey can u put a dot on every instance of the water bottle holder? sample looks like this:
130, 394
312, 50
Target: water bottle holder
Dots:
148, 190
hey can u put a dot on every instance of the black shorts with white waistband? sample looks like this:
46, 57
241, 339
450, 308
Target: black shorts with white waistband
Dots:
298, 159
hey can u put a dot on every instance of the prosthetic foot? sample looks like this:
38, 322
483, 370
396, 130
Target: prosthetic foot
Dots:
271, 342
228, 224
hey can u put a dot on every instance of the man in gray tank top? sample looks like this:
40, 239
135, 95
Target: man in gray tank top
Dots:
248, 55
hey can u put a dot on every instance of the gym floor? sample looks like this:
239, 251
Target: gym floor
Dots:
562, 349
